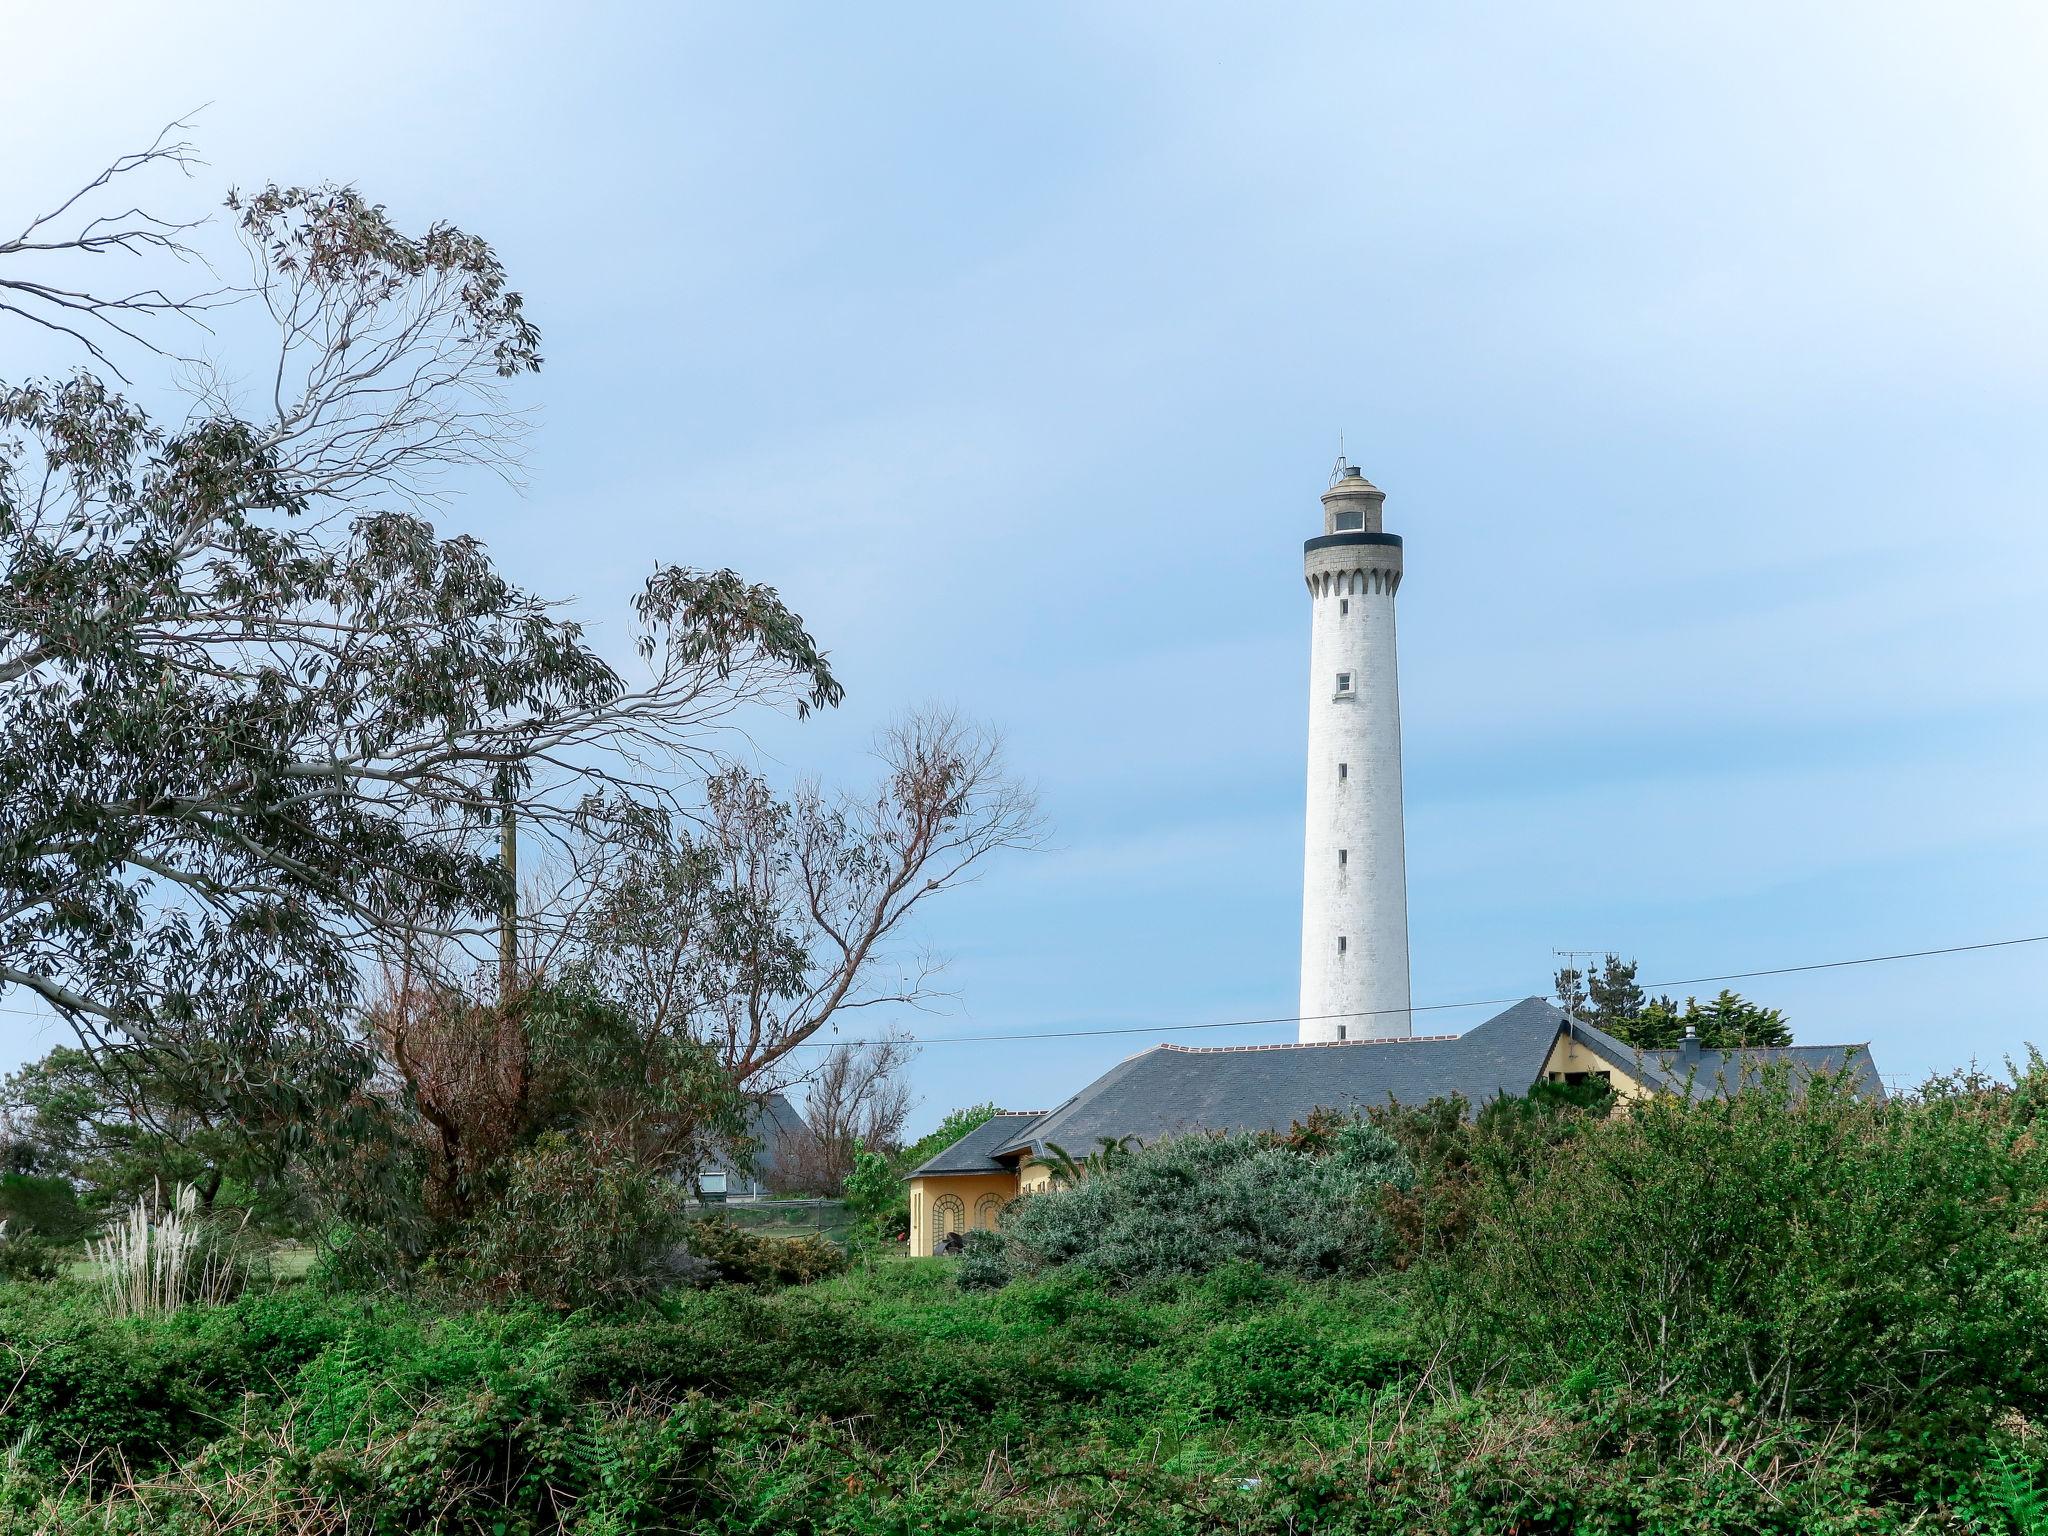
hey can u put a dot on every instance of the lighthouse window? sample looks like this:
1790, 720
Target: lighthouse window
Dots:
1348, 522
1343, 606
1343, 772
1342, 942
1343, 857
1343, 682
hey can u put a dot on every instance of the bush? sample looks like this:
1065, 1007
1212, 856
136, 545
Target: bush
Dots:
574, 1229
1791, 1248
741, 1258
27, 1256
982, 1266
1194, 1203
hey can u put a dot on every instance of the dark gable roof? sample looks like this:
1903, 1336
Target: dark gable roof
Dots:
1172, 1088
971, 1153
771, 1121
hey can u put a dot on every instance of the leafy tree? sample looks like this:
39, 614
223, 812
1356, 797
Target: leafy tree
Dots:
1727, 1022
957, 1124
118, 1135
1612, 999
265, 729
486, 1082
261, 719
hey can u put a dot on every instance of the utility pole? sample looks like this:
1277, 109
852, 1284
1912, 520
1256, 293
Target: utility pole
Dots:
508, 915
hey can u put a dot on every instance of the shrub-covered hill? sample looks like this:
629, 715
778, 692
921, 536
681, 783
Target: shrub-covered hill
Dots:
1790, 1312
886, 1401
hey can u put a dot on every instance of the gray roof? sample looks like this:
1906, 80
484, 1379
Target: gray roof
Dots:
771, 1120
1173, 1088
972, 1152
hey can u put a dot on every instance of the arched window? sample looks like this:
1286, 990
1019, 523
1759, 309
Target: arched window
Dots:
988, 1212
948, 1216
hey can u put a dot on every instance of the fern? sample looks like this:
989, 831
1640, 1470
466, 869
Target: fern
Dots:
2013, 1492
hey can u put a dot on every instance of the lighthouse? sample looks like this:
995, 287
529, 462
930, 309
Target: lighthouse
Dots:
1354, 888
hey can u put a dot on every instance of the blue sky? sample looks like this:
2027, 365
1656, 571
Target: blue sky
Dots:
1699, 351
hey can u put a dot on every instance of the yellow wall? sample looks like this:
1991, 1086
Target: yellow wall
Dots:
1567, 1055
972, 1190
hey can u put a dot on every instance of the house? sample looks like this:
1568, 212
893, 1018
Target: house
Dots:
1171, 1089
771, 1123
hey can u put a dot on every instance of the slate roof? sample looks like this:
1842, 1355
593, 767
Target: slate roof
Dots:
972, 1152
1173, 1088
770, 1123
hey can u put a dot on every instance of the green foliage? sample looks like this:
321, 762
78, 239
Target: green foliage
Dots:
982, 1264
1792, 1249
738, 1257
26, 1256
1612, 999
874, 1187
574, 1228
44, 1206
949, 1130
1529, 1375
119, 1128
1190, 1204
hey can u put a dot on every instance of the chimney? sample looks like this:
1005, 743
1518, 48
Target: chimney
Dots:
1689, 1049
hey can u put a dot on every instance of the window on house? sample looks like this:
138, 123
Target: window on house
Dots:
1343, 682
1342, 942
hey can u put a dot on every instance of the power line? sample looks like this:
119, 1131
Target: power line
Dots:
1313, 1018
1483, 1002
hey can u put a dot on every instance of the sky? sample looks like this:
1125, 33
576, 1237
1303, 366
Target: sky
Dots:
1702, 353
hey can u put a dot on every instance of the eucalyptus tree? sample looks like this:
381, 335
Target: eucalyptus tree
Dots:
263, 723
259, 715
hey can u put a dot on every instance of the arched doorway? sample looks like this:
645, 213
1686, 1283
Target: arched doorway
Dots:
949, 1215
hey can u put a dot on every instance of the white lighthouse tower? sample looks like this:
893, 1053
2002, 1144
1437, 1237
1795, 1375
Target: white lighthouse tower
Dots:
1354, 888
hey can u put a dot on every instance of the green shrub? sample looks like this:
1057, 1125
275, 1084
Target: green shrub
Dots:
574, 1229
741, 1258
982, 1266
1194, 1203
27, 1257
1792, 1248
